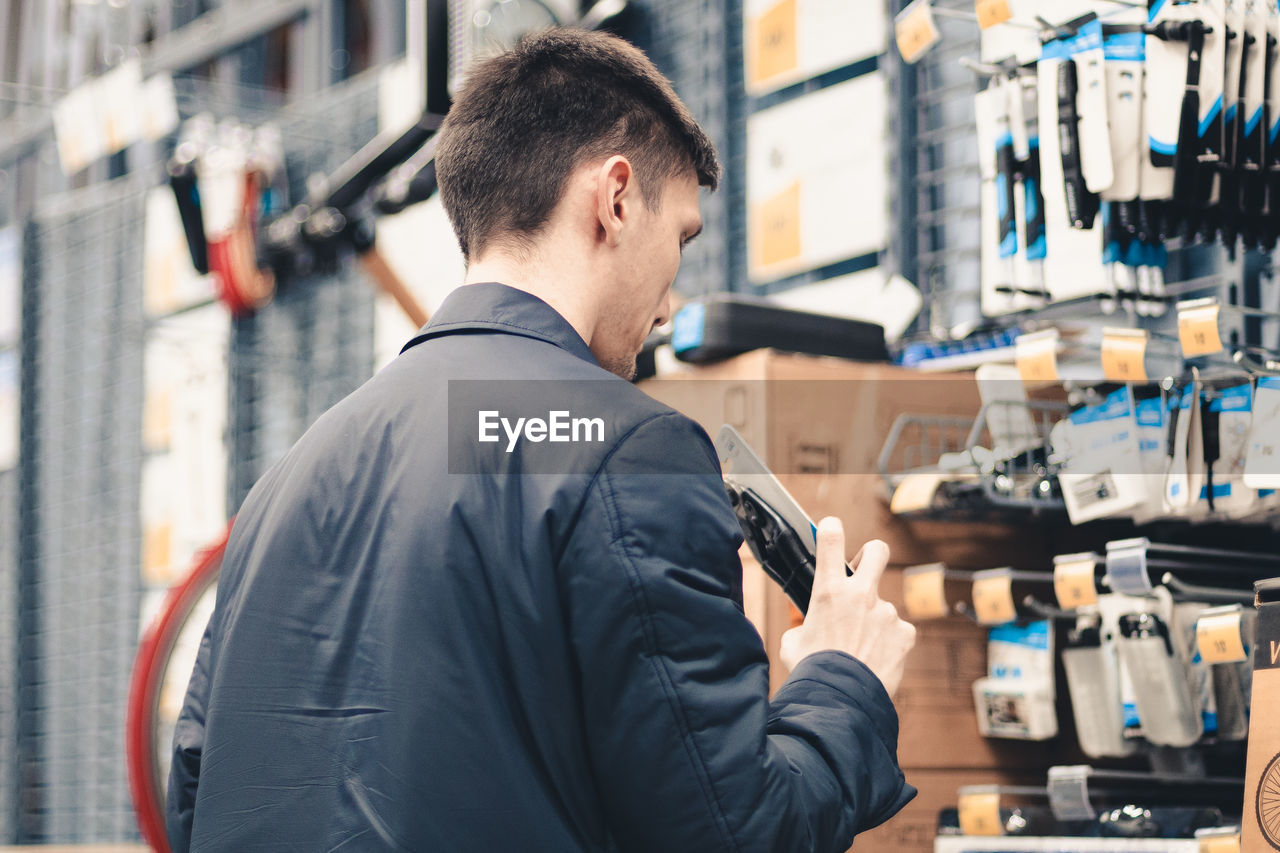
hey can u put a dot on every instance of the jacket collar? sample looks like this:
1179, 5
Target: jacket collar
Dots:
495, 307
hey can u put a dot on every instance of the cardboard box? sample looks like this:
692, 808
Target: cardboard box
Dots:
1260, 828
820, 425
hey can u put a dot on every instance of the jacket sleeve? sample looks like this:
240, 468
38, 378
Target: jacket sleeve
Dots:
687, 749
188, 745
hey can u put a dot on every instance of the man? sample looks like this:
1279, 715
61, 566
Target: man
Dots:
446, 624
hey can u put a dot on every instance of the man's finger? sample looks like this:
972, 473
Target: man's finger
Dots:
830, 558
870, 566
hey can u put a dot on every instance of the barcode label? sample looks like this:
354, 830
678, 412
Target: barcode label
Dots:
1094, 489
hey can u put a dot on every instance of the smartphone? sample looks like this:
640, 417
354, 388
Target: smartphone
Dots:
780, 534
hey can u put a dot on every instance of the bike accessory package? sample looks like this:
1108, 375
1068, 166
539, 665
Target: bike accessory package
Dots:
1016, 699
1159, 679
1073, 258
1164, 91
1101, 477
1124, 46
1093, 682
1262, 457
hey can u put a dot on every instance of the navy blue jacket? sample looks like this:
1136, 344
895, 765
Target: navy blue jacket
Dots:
428, 641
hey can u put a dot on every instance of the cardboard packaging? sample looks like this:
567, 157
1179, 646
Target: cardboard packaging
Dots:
1260, 828
820, 425
815, 420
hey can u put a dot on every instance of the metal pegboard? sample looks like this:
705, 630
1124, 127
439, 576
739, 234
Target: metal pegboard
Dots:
81, 462
698, 45
942, 177
313, 344
8, 654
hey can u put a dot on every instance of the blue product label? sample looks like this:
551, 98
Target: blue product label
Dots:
1125, 47
1220, 490
688, 327
1088, 37
1269, 382
1149, 412
1238, 398
1116, 406
1131, 720
1033, 635
1210, 722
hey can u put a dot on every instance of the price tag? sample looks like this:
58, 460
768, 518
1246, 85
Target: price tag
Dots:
1036, 355
1073, 580
923, 590
993, 597
915, 493
777, 227
980, 812
772, 42
1123, 355
157, 553
157, 419
1198, 327
1218, 636
915, 31
992, 12
1223, 843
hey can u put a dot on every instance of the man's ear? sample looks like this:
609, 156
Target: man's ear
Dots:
616, 192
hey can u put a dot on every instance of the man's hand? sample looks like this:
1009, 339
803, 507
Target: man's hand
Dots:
847, 614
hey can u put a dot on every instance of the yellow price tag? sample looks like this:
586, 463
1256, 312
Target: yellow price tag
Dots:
157, 420
1220, 844
915, 31
1218, 638
980, 813
1036, 355
772, 43
1073, 582
1124, 355
777, 227
992, 12
993, 597
914, 493
923, 591
157, 553
1198, 327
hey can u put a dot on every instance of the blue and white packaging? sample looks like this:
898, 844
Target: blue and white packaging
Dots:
1232, 498
1262, 457
1184, 477
1101, 476
1016, 699
1151, 419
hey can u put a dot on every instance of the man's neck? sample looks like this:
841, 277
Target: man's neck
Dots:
568, 297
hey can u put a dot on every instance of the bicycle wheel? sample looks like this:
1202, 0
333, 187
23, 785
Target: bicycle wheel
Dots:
161, 671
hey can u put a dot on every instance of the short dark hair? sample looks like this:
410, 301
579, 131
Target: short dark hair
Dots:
524, 119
